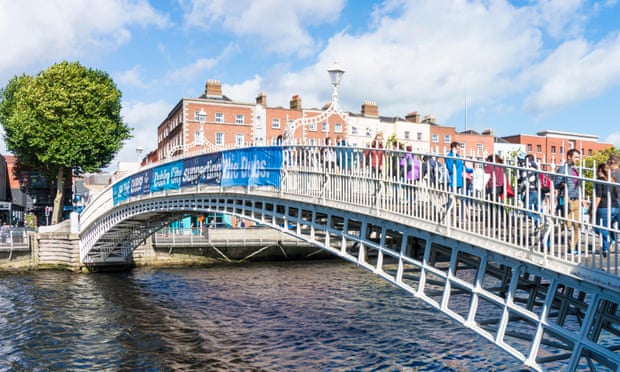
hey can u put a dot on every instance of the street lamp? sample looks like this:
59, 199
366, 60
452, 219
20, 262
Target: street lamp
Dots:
139, 151
335, 76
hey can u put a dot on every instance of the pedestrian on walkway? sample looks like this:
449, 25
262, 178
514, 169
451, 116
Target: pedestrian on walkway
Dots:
568, 189
605, 207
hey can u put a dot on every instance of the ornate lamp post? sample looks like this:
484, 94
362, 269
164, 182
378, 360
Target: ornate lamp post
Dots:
335, 76
139, 151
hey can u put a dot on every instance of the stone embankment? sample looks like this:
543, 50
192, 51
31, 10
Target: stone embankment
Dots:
58, 248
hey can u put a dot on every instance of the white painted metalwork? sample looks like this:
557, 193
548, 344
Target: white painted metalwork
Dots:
476, 257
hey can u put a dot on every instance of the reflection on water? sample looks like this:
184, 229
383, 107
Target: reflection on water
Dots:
314, 316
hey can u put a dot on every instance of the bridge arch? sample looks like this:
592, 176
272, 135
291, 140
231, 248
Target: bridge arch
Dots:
542, 309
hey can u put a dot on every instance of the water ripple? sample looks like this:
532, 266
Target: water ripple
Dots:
312, 316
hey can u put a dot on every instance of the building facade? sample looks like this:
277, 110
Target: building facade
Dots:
213, 121
549, 146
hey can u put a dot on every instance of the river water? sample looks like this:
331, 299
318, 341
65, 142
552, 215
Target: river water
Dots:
302, 316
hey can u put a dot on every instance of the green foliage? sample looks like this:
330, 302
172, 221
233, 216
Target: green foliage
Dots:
591, 162
65, 118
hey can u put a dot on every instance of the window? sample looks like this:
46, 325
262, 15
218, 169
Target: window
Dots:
200, 116
325, 127
447, 138
589, 152
219, 117
529, 147
219, 139
354, 131
239, 119
338, 128
312, 126
538, 148
553, 149
406, 134
435, 138
368, 132
419, 136
275, 123
239, 139
479, 147
462, 145
561, 149
198, 137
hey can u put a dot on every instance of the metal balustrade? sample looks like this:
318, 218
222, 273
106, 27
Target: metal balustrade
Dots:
354, 180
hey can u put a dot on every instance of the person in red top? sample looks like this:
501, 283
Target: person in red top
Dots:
494, 190
495, 185
374, 157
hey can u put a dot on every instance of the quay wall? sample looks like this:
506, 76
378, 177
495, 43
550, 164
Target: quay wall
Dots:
59, 249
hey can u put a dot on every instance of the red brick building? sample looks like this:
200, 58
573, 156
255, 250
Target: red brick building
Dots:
214, 121
550, 146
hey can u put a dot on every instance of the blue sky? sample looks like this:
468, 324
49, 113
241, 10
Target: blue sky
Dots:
521, 66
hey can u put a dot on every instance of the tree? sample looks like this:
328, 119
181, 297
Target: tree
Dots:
66, 118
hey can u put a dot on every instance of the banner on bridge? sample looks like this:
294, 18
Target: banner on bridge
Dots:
256, 166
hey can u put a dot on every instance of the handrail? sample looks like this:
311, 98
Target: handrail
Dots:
371, 177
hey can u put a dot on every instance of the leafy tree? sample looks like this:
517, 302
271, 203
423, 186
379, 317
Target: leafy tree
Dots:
591, 162
66, 118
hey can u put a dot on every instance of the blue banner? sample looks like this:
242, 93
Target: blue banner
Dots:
141, 183
167, 176
255, 166
203, 169
120, 190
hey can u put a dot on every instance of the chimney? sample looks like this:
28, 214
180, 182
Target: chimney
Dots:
370, 109
429, 118
413, 117
213, 88
295, 103
261, 99
487, 132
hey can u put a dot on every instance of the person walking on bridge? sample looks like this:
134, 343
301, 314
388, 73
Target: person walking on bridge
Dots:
455, 166
568, 187
605, 207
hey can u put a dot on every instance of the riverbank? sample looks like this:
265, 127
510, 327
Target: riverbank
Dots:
59, 249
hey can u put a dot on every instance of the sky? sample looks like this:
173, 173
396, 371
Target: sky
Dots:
517, 67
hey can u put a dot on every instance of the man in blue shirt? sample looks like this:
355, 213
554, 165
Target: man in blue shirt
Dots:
454, 164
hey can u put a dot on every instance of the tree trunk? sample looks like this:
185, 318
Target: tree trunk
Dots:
58, 202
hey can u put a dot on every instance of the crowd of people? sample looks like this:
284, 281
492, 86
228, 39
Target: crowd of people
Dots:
541, 193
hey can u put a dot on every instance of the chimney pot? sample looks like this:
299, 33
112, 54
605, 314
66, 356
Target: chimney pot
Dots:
370, 109
213, 88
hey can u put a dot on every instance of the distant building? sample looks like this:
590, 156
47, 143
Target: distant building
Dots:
549, 146
214, 121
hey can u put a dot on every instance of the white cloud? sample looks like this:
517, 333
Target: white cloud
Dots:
574, 72
421, 55
131, 77
281, 25
37, 33
244, 92
614, 139
143, 118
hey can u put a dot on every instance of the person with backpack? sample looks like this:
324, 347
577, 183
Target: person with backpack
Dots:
528, 185
568, 188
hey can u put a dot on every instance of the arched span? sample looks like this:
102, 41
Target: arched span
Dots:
546, 309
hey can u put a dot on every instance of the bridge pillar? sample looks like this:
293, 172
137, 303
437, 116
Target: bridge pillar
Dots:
58, 250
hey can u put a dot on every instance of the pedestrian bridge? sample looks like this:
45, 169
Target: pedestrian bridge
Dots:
477, 258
